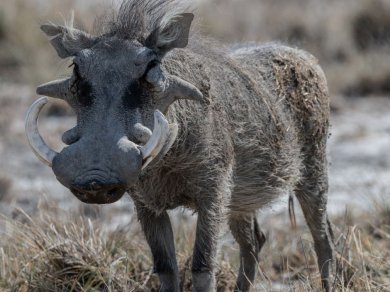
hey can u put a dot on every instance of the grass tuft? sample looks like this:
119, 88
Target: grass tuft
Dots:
48, 254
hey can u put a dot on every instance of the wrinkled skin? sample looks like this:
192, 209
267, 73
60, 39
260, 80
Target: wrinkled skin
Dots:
102, 106
254, 126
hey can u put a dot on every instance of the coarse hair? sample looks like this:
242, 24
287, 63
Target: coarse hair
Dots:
136, 20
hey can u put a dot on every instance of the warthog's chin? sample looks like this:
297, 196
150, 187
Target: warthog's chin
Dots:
99, 197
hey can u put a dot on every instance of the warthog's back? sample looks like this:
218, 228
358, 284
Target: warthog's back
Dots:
294, 77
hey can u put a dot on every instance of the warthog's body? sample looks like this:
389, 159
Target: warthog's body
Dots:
268, 106
263, 135
259, 131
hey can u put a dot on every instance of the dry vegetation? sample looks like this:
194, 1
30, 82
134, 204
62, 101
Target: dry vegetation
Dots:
45, 253
49, 254
52, 250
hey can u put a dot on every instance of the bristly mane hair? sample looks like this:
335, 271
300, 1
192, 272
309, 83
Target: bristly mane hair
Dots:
136, 19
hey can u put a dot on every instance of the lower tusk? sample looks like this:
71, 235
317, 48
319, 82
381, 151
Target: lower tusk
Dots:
39, 147
157, 140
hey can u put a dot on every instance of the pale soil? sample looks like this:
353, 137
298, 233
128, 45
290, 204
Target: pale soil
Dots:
360, 154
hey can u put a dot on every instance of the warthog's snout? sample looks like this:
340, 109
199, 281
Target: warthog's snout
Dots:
86, 166
87, 169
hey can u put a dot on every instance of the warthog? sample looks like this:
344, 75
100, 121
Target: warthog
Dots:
174, 121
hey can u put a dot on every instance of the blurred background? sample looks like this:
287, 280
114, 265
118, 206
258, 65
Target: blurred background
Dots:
351, 39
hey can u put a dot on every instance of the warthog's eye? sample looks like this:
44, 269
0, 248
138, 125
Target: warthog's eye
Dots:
137, 90
80, 88
134, 96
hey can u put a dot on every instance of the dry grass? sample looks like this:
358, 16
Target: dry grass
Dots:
48, 254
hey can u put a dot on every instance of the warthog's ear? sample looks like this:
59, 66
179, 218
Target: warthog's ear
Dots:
170, 35
67, 41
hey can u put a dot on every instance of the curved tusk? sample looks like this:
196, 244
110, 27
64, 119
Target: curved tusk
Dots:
39, 147
157, 140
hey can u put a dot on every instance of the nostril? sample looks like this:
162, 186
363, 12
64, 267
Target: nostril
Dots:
104, 195
115, 191
93, 185
110, 189
97, 186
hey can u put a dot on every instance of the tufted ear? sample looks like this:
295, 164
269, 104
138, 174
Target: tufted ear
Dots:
170, 35
67, 41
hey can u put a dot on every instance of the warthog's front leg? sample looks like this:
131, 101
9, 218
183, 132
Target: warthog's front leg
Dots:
158, 233
205, 250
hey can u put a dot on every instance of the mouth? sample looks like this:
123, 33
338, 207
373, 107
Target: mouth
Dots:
98, 197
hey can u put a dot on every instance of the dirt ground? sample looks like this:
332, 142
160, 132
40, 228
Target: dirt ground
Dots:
359, 151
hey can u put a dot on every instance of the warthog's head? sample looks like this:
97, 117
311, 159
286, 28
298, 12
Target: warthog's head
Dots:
119, 93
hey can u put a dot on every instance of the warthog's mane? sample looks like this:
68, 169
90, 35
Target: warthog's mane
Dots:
136, 19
